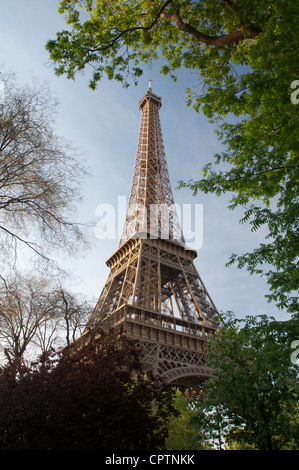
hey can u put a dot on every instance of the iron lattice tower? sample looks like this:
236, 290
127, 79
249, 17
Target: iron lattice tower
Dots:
153, 289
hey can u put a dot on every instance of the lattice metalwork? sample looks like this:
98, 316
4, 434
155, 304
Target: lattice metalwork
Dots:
175, 365
151, 207
154, 289
150, 275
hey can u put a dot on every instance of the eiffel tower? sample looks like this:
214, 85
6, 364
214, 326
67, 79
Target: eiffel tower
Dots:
153, 289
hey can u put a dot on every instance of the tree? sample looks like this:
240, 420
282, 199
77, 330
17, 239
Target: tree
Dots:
73, 312
116, 36
40, 175
27, 304
96, 397
212, 421
246, 55
255, 385
183, 432
36, 313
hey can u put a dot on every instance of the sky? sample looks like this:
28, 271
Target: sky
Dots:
104, 125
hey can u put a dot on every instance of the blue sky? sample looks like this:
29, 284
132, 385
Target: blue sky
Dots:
104, 125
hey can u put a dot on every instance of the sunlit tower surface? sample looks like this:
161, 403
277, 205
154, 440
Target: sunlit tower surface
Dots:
153, 290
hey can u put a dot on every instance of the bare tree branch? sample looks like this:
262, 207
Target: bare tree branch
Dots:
40, 173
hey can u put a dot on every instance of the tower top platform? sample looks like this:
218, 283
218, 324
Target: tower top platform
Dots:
149, 95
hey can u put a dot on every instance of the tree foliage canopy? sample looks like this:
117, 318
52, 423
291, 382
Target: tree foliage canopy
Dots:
115, 38
246, 55
96, 397
255, 384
